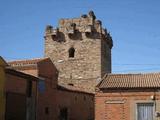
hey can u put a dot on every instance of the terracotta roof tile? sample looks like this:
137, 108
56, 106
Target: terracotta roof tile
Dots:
21, 74
75, 88
114, 81
20, 63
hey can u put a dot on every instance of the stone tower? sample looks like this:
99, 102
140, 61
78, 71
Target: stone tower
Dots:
81, 50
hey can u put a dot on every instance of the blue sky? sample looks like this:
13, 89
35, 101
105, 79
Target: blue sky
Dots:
134, 26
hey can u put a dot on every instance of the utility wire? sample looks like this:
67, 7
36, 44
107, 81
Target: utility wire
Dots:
138, 70
136, 64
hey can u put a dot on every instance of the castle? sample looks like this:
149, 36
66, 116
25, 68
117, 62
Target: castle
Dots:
80, 52
80, 48
76, 71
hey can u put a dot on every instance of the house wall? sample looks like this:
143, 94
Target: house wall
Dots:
80, 105
47, 97
122, 105
15, 84
15, 106
2, 93
50, 101
16, 90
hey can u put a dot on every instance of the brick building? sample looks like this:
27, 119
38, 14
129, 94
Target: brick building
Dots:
77, 57
128, 97
80, 49
3, 64
21, 95
55, 101
18, 94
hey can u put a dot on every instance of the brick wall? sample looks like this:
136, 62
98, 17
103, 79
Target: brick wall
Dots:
122, 105
80, 105
20, 104
2, 85
18, 84
46, 98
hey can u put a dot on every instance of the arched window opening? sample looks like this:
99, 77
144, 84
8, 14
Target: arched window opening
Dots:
71, 52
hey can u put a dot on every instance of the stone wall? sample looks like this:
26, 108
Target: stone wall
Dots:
92, 50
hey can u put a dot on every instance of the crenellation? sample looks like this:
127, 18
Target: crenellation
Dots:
92, 15
92, 50
48, 29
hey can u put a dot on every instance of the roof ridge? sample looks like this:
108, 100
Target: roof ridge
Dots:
134, 73
20, 60
26, 60
75, 88
147, 80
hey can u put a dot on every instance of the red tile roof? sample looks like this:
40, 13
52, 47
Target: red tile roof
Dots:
114, 81
21, 74
19, 63
74, 88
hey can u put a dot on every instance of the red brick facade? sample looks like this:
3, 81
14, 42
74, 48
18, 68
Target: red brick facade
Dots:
57, 102
17, 82
121, 105
128, 97
79, 105
21, 94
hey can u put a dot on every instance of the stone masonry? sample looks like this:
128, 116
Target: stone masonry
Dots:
81, 50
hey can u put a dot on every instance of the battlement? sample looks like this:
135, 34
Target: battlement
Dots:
80, 49
87, 26
83, 20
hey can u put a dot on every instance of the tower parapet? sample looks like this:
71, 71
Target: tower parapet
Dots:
79, 28
80, 48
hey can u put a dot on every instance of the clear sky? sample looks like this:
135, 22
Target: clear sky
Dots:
134, 26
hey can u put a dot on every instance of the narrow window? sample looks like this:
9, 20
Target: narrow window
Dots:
46, 110
41, 86
84, 98
144, 111
29, 88
64, 114
71, 52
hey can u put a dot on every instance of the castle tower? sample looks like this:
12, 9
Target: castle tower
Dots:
81, 50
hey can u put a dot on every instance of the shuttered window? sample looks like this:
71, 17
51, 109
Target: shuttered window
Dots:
41, 86
145, 111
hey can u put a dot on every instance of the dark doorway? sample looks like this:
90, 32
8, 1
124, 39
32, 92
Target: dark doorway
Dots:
64, 114
15, 106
